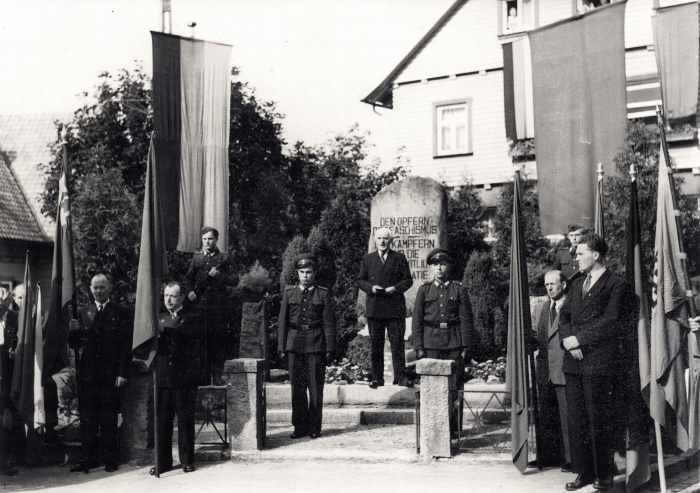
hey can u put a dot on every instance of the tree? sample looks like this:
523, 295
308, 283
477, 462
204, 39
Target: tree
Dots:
465, 231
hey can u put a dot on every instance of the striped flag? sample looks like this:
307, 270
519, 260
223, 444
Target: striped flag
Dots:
519, 324
191, 118
637, 353
669, 317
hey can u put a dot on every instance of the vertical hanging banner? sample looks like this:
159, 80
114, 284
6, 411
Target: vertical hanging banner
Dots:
191, 119
580, 111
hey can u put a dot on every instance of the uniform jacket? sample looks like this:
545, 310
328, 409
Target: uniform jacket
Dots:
394, 272
550, 357
198, 278
179, 358
299, 308
599, 321
437, 303
11, 319
104, 342
566, 263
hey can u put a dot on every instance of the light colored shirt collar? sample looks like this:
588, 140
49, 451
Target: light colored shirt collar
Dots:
173, 314
439, 283
595, 276
98, 304
310, 288
558, 304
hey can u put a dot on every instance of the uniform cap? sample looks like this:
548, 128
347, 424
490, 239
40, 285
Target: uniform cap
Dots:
439, 255
304, 260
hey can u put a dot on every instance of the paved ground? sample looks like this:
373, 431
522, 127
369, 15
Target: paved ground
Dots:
352, 459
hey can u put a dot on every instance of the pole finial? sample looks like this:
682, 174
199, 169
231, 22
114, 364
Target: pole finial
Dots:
633, 172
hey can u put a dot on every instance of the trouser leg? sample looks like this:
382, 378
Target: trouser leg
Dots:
109, 420
600, 401
550, 446
186, 401
377, 326
396, 329
563, 420
5, 433
89, 421
166, 415
579, 428
299, 379
317, 376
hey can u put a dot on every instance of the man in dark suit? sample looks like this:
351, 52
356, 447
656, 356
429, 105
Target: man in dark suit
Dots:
596, 315
307, 335
565, 260
443, 323
554, 449
10, 423
385, 276
178, 368
103, 334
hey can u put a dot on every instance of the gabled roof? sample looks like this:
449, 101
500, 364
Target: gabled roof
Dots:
17, 221
382, 95
25, 139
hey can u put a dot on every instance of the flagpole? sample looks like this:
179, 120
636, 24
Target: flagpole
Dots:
599, 223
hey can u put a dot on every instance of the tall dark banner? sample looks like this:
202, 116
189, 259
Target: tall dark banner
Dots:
580, 106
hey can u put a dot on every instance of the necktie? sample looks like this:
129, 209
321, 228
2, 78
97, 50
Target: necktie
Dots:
383, 257
586, 286
552, 313
99, 308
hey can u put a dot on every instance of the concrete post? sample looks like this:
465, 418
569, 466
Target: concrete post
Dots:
244, 403
435, 406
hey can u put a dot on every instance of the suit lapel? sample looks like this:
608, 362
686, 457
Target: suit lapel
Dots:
593, 292
386, 265
92, 313
553, 324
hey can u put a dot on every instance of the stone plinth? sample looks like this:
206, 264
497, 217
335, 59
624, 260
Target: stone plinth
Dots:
255, 338
244, 400
435, 406
136, 431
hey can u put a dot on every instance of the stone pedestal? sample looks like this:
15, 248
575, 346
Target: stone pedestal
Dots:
435, 406
255, 336
136, 431
245, 405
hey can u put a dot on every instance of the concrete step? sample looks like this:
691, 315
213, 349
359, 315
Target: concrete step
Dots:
352, 416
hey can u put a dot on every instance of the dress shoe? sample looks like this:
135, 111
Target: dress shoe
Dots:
532, 464
578, 483
375, 383
566, 467
188, 468
296, 435
152, 472
111, 467
314, 435
405, 382
82, 467
603, 484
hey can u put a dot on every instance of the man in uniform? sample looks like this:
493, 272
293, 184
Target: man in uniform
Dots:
554, 447
385, 276
597, 314
207, 279
178, 369
443, 323
566, 256
103, 333
307, 335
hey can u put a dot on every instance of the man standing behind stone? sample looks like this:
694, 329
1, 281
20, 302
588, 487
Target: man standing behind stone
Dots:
178, 367
566, 256
307, 334
443, 323
103, 333
553, 450
595, 316
385, 276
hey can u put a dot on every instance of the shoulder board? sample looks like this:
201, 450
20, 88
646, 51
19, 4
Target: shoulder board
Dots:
321, 288
425, 283
290, 287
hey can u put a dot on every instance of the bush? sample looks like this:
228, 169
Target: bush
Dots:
257, 280
360, 351
486, 369
348, 372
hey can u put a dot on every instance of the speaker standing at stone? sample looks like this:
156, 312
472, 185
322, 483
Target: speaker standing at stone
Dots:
385, 276
103, 334
443, 323
178, 368
554, 447
207, 278
307, 335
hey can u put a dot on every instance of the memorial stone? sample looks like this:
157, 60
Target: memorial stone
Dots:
255, 337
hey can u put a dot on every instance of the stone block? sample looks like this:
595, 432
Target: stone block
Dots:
136, 431
381, 397
435, 416
435, 367
255, 337
245, 406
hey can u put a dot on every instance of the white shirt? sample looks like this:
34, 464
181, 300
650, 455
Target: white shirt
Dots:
103, 305
595, 276
173, 314
558, 304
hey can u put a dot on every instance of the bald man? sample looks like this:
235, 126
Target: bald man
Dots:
104, 334
385, 276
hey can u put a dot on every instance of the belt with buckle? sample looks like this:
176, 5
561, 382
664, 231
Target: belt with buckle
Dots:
443, 325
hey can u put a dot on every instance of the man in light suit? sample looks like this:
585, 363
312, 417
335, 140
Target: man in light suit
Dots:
553, 450
597, 314
385, 276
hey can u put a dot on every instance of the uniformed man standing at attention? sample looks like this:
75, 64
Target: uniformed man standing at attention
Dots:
443, 323
307, 335
565, 260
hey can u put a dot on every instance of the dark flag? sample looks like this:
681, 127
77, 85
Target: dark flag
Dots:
153, 263
62, 286
668, 401
636, 354
580, 105
27, 391
191, 120
519, 327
